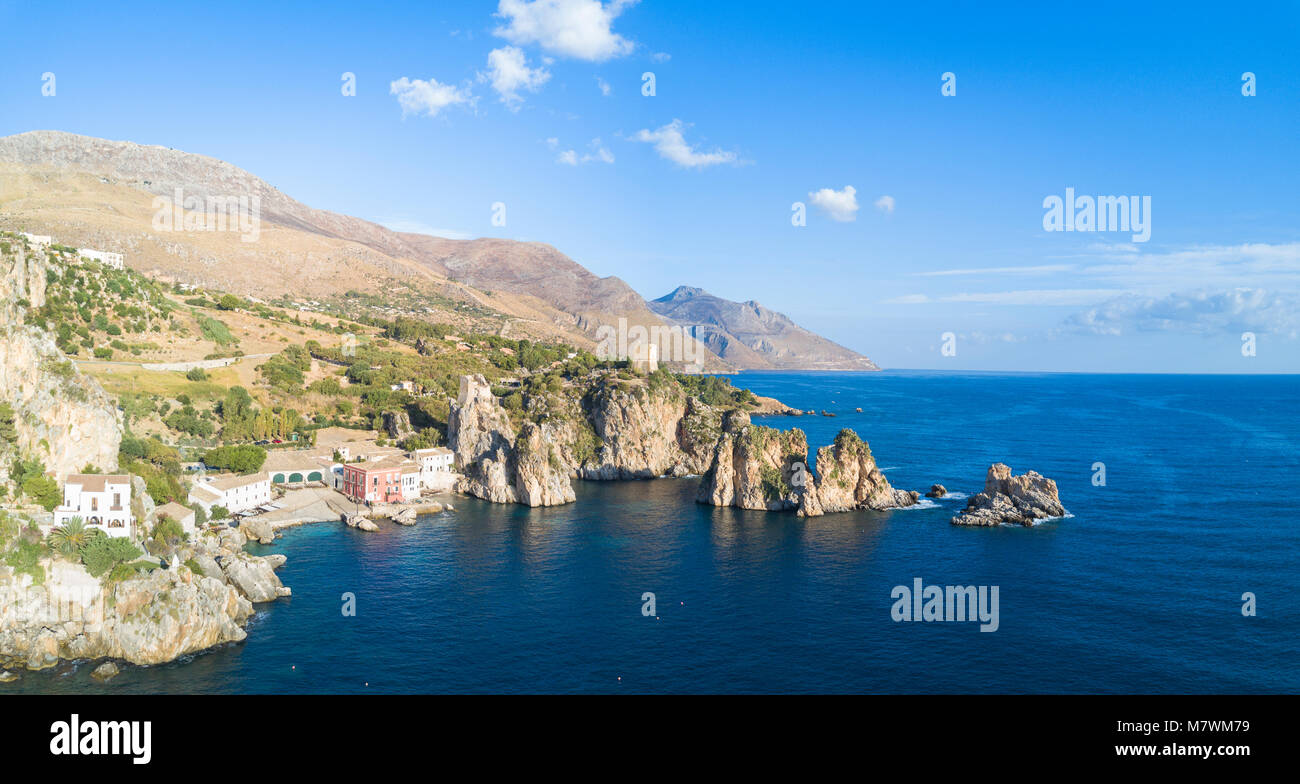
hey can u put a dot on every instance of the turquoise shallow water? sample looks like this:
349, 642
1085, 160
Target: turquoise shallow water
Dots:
1139, 591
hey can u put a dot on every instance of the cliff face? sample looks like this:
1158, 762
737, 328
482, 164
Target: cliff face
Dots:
1015, 500
498, 465
62, 416
646, 428
541, 478
148, 619
646, 432
756, 467
848, 478
614, 430
760, 468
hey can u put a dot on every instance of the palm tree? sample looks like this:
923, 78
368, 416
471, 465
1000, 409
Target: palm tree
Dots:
70, 537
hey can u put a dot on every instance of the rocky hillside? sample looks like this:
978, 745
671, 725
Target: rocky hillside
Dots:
749, 336
100, 193
61, 417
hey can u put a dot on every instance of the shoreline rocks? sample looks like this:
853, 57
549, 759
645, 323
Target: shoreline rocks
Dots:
205, 599
936, 491
1016, 500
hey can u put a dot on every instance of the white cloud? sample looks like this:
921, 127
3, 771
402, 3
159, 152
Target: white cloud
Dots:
416, 96
605, 89
661, 57
582, 29
509, 73
885, 204
1198, 312
1035, 270
841, 205
597, 152
671, 145
1028, 297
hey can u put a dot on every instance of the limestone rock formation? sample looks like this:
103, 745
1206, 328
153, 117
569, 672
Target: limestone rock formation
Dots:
254, 577
397, 424
541, 479
756, 467
63, 417
104, 672
147, 619
1018, 500
646, 431
936, 491
483, 439
848, 478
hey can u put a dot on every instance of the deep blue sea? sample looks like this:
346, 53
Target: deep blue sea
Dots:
1139, 591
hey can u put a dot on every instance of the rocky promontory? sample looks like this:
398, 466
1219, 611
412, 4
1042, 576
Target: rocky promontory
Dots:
756, 467
1013, 500
203, 599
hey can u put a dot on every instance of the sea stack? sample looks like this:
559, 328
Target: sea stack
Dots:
1019, 500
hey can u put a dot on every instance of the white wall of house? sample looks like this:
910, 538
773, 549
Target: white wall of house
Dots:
235, 499
108, 509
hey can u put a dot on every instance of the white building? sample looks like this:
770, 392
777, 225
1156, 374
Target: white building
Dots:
113, 260
102, 501
181, 514
437, 467
411, 482
235, 493
39, 240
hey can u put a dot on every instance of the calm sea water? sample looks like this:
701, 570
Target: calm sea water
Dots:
1140, 591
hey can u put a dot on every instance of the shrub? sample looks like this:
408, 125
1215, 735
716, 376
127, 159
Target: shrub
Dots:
101, 554
44, 490
25, 559
168, 531
197, 374
243, 459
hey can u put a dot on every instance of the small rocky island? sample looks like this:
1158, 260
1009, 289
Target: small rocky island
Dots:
1013, 500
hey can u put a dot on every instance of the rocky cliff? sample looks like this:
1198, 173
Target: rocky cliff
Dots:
848, 478
148, 619
646, 431
761, 468
1013, 500
498, 464
756, 467
63, 417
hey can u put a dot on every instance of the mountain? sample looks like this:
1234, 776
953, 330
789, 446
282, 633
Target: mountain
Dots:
98, 193
750, 336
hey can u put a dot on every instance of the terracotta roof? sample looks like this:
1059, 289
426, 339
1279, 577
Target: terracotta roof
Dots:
94, 483
173, 510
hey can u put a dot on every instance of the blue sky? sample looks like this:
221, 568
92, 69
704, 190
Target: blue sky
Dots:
757, 106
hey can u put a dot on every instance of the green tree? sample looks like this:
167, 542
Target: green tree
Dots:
70, 537
102, 553
44, 490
